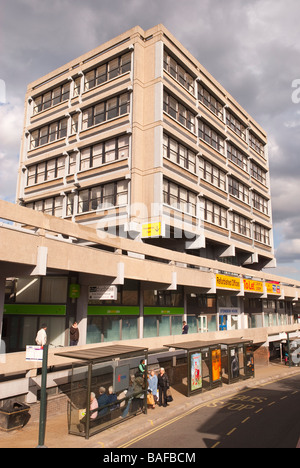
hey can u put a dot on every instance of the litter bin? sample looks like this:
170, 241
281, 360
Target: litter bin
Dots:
13, 415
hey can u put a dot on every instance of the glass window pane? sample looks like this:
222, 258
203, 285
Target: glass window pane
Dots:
27, 290
54, 290
129, 328
111, 328
150, 326
164, 326
94, 330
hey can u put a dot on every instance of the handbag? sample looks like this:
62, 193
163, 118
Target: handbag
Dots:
169, 396
150, 399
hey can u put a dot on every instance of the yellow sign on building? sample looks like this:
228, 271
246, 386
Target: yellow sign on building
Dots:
151, 230
228, 282
253, 286
273, 288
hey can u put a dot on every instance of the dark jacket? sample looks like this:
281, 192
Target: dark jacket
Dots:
74, 334
163, 381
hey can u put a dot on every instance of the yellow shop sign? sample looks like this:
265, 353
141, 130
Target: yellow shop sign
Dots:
253, 286
228, 282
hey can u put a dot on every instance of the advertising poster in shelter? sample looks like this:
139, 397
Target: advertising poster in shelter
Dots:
234, 363
196, 371
216, 364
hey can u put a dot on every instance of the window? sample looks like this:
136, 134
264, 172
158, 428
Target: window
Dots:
72, 163
240, 225
52, 206
210, 101
215, 214
212, 174
211, 137
70, 204
106, 110
47, 170
258, 173
238, 189
260, 203
236, 125
107, 71
237, 157
104, 152
256, 144
179, 197
178, 72
49, 133
51, 98
261, 234
179, 112
178, 153
103, 196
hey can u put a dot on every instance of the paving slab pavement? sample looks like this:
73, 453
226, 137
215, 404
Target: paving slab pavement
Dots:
116, 437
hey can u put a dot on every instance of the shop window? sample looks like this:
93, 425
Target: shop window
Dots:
27, 290
54, 290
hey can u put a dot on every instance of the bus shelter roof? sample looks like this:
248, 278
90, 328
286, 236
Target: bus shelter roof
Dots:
103, 353
189, 345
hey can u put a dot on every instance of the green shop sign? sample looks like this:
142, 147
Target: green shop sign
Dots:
113, 310
34, 309
163, 311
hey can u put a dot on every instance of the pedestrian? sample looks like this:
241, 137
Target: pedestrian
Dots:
152, 385
185, 328
74, 334
142, 366
163, 385
41, 337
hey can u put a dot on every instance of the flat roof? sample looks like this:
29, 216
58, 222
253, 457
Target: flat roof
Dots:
188, 345
103, 353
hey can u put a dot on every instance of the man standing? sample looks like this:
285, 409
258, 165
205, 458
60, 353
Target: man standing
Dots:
74, 334
185, 328
163, 385
41, 337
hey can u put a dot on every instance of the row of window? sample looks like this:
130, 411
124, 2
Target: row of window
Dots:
206, 97
206, 132
92, 156
96, 198
186, 201
92, 78
216, 214
94, 115
180, 154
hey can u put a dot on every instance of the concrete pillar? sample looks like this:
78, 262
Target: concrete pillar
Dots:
81, 316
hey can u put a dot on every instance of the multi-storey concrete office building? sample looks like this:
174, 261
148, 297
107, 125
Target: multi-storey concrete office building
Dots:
136, 138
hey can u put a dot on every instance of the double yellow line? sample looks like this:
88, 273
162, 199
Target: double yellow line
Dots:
191, 411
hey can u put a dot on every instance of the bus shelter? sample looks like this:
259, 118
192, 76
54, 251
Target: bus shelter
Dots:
204, 365
108, 385
238, 359
211, 363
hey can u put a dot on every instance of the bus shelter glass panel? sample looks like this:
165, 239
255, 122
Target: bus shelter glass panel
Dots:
249, 361
195, 383
103, 395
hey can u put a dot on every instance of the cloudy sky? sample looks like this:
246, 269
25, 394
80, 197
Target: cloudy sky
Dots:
251, 47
